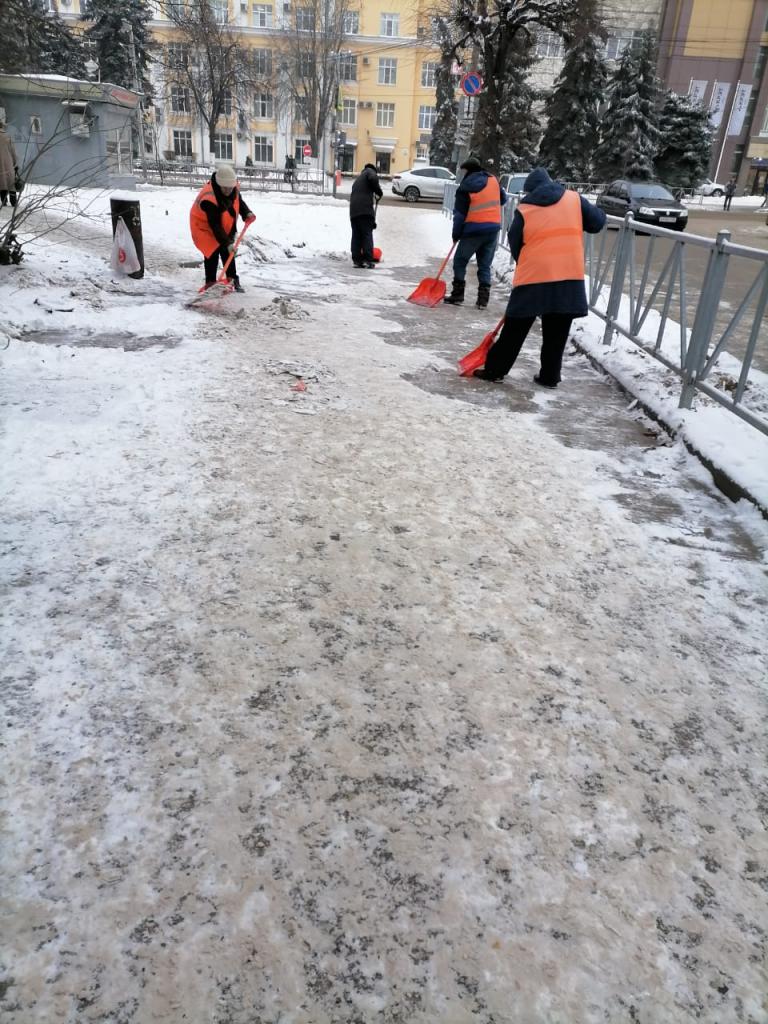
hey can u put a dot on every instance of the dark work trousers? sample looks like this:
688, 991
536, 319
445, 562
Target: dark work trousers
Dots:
212, 265
554, 331
4, 197
727, 203
362, 238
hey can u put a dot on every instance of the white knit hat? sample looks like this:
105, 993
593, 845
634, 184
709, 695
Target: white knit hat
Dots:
225, 175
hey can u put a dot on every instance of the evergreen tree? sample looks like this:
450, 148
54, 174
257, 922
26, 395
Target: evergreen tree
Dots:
111, 42
573, 125
442, 143
501, 33
35, 40
685, 144
630, 122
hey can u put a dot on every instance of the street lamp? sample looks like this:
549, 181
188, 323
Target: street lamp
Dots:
128, 29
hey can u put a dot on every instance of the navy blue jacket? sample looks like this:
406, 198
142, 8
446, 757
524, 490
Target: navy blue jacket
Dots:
473, 182
568, 298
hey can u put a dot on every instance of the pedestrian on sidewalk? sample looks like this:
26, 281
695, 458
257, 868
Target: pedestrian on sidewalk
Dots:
289, 174
547, 241
730, 189
213, 222
363, 217
9, 168
476, 226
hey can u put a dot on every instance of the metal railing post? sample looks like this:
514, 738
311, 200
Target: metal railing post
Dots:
619, 273
704, 321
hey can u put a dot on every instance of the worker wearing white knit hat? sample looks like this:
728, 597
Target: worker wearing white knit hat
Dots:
213, 222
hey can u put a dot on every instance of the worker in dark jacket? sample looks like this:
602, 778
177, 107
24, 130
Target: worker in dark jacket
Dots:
362, 214
476, 225
547, 241
213, 221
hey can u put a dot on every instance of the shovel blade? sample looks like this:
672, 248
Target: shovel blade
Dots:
430, 292
475, 359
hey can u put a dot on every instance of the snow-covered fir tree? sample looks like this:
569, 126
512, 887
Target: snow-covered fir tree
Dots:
685, 146
571, 109
502, 33
34, 39
631, 121
444, 129
518, 127
111, 42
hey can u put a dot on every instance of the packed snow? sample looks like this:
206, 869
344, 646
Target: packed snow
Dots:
390, 697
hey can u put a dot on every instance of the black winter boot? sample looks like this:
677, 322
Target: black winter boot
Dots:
457, 293
483, 295
238, 286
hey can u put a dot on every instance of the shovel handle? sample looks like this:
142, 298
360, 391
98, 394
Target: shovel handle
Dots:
238, 240
442, 267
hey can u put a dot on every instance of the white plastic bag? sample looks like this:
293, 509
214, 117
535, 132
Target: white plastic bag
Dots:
124, 259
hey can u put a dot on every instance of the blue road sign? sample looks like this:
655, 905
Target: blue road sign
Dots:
471, 83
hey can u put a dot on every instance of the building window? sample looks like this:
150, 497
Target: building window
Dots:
301, 109
738, 155
222, 145
348, 67
427, 117
306, 65
617, 42
298, 150
428, 74
383, 162
305, 19
220, 10
262, 16
262, 61
549, 44
351, 23
422, 151
387, 71
182, 142
264, 106
390, 25
764, 126
226, 103
178, 55
263, 151
179, 99
348, 113
385, 115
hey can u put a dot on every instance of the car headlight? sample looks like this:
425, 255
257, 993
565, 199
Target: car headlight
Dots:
682, 213
646, 211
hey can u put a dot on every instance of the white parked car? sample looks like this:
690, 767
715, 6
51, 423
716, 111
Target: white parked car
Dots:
711, 188
422, 183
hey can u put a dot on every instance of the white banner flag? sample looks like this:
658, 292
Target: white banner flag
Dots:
696, 91
739, 111
717, 102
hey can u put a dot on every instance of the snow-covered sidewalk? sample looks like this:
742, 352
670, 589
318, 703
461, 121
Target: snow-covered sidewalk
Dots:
397, 699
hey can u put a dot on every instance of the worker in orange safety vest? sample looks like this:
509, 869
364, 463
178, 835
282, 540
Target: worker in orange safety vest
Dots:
476, 224
546, 239
213, 222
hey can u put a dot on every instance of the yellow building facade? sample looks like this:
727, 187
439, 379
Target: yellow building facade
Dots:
386, 97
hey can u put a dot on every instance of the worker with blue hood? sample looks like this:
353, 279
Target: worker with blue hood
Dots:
476, 225
546, 239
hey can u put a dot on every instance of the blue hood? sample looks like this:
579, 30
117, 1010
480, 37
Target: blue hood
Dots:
475, 181
540, 190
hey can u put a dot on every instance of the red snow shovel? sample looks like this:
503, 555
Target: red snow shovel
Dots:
476, 358
431, 290
223, 285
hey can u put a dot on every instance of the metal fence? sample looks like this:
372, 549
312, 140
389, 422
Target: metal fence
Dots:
651, 284
307, 181
628, 279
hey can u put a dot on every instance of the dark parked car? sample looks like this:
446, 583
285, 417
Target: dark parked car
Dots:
649, 201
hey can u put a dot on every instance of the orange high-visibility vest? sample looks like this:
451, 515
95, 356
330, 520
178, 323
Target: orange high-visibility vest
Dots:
553, 242
485, 205
202, 236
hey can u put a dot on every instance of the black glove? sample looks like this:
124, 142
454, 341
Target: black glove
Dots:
375, 225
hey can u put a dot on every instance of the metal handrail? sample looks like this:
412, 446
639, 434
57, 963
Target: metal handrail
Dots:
700, 343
